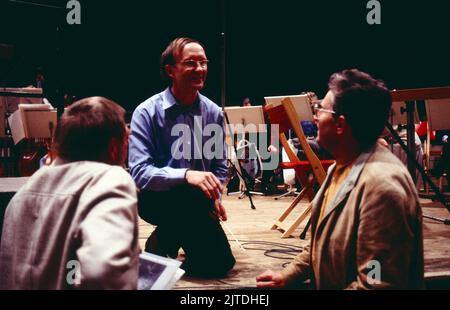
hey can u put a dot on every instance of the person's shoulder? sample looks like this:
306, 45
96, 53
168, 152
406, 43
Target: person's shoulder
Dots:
385, 162
93, 170
208, 102
210, 105
64, 177
151, 104
98, 168
384, 170
98, 174
387, 184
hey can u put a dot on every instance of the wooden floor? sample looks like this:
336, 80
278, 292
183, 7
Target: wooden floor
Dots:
252, 229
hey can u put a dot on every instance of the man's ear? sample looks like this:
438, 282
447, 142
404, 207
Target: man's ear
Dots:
169, 70
341, 124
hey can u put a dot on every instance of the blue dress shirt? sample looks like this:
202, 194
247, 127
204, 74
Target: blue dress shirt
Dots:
151, 161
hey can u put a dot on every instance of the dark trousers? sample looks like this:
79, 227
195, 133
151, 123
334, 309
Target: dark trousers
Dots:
183, 219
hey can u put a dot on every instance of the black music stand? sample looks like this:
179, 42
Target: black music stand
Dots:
410, 97
10, 98
241, 121
252, 168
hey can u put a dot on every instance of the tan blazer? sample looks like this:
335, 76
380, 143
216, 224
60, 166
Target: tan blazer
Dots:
72, 218
371, 233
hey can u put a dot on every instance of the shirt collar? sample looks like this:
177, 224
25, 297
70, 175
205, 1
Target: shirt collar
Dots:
171, 101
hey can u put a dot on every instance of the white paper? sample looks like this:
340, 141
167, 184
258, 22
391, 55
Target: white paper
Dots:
33, 121
301, 104
438, 114
157, 272
248, 119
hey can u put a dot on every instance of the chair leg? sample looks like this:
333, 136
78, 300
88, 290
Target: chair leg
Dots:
288, 230
297, 222
279, 222
290, 192
303, 234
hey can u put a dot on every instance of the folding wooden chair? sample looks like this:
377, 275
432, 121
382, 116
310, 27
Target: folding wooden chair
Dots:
286, 117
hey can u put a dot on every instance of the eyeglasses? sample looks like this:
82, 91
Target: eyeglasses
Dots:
318, 107
190, 63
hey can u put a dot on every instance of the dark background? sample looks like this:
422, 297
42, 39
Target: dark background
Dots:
276, 47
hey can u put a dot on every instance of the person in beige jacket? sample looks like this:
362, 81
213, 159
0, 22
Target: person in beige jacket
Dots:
73, 225
366, 219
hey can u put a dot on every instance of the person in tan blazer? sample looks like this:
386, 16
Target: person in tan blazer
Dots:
73, 225
366, 219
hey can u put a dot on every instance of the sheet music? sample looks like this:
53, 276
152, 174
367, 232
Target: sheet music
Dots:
438, 114
301, 104
157, 272
249, 117
10, 103
33, 121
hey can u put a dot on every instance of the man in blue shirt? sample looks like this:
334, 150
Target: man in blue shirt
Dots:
180, 182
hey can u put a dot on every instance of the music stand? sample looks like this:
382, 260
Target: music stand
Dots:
398, 114
301, 103
33, 121
239, 122
410, 96
302, 106
398, 119
10, 98
438, 117
286, 116
438, 114
250, 118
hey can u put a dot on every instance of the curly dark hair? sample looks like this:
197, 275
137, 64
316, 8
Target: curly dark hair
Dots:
364, 101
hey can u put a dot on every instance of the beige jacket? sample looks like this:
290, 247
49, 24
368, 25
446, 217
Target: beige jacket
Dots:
371, 232
72, 218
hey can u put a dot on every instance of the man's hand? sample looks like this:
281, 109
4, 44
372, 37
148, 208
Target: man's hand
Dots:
219, 210
206, 181
270, 279
382, 142
272, 149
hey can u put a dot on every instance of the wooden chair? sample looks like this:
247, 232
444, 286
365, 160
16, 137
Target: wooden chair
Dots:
286, 117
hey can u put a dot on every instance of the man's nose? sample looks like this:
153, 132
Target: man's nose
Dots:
316, 119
